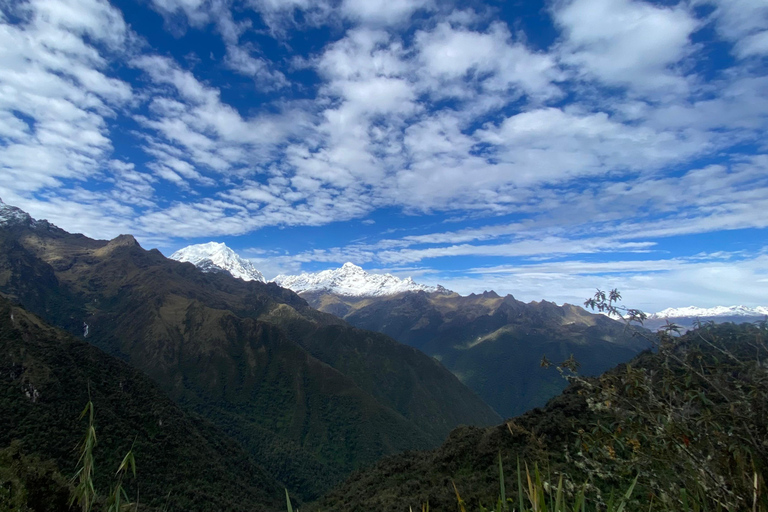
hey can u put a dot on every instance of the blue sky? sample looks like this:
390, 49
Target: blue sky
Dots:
541, 149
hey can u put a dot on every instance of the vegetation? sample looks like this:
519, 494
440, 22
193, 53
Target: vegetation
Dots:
29, 484
493, 343
691, 419
682, 425
44, 381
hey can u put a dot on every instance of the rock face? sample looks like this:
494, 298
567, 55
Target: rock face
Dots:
217, 257
352, 281
309, 396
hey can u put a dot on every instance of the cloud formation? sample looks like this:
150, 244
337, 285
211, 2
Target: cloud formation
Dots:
638, 122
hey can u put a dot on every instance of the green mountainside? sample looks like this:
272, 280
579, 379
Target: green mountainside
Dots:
688, 422
493, 344
309, 396
45, 379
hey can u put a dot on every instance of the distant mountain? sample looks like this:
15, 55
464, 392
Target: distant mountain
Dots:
309, 396
493, 344
46, 378
217, 257
687, 317
352, 281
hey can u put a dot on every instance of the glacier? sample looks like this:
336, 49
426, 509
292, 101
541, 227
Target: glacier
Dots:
217, 257
352, 281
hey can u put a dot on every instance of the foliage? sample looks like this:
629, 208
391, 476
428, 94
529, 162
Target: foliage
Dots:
307, 396
44, 376
84, 492
28, 484
535, 495
691, 419
686, 421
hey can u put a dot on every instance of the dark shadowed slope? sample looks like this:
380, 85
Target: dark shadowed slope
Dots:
691, 416
493, 344
45, 377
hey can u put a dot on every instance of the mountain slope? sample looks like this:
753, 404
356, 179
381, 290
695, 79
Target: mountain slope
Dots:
494, 344
46, 377
352, 281
594, 432
310, 396
215, 257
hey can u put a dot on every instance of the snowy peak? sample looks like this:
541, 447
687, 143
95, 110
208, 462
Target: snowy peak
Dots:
10, 215
718, 311
352, 281
217, 257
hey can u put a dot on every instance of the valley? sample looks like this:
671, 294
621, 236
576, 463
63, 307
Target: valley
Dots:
388, 388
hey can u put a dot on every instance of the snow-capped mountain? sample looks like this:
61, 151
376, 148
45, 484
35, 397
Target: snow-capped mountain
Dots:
352, 281
693, 311
11, 215
688, 317
217, 257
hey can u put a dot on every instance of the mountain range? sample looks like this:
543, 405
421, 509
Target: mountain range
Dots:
688, 317
352, 281
303, 392
493, 344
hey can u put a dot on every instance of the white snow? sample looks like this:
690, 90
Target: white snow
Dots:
352, 281
215, 257
11, 215
693, 311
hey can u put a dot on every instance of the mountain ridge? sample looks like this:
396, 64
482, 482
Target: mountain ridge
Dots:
311, 396
351, 280
493, 344
694, 311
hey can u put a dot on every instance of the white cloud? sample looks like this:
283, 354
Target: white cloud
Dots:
450, 56
626, 42
56, 98
205, 133
590, 143
744, 23
649, 285
384, 12
241, 59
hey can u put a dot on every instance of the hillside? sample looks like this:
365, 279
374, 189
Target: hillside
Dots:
493, 344
45, 379
309, 396
690, 416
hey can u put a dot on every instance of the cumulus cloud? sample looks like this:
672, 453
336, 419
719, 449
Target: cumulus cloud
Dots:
57, 98
619, 134
629, 43
745, 24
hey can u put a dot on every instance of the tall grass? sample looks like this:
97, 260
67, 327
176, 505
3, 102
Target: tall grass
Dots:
84, 491
534, 496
